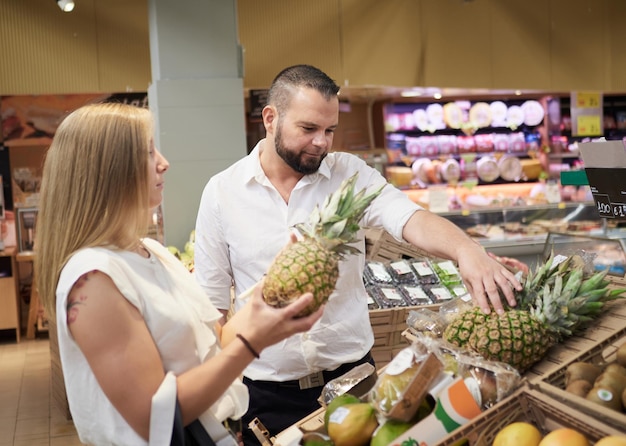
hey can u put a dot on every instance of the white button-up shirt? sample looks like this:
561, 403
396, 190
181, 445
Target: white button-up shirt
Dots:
243, 222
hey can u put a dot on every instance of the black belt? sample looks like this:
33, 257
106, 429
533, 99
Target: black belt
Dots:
317, 379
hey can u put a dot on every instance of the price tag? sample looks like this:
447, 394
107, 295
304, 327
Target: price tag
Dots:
619, 210
553, 194
588, 100
608, 190
607, 209
438, 199
589, 125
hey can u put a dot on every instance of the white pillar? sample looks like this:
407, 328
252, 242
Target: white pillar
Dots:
197, 99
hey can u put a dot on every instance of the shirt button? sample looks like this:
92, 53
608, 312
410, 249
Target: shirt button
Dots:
305, 336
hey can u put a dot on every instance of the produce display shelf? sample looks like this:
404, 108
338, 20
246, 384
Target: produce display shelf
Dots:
605, 329
553, 383
528, 405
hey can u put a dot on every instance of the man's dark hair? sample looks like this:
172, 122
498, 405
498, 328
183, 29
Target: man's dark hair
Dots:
296, 76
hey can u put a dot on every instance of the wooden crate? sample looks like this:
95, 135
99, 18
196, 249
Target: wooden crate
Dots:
388, 325
529, 405
608, 327
610, 334
381, 246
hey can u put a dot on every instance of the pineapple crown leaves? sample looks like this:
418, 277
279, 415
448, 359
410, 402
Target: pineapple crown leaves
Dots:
567, 299
337, 221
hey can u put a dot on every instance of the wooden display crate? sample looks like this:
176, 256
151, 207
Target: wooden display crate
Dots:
529, 405
389, 323
608, 327
553, 382
381, 246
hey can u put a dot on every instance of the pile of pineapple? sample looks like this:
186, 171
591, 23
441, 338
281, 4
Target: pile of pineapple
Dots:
557, 299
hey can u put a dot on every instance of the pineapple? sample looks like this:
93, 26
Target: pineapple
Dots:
312, 263
554, 302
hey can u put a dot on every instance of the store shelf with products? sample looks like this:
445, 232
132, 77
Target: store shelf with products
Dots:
492, 141
613, 109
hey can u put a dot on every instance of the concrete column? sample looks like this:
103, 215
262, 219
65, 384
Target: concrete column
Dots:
197, 99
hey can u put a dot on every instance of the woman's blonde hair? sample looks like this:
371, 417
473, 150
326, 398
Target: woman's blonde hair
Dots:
94, 189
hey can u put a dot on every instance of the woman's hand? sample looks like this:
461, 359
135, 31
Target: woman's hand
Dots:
263, 325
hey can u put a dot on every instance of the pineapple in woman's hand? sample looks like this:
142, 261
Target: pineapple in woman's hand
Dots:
312, 263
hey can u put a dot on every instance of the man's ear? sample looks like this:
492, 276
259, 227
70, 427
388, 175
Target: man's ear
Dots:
270, 117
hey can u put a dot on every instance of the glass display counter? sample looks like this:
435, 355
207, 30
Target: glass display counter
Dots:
521, 232
599, 252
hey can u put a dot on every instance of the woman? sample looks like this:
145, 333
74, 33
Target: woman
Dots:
138, 338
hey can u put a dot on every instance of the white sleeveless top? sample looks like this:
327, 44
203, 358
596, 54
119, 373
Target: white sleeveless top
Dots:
181, 321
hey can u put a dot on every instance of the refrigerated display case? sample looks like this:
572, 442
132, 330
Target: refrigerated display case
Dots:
522, 232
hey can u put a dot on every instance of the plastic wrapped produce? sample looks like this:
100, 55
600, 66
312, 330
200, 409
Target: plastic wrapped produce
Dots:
447, 272
388, 296
415, 295
402, 386
372, 301
440, 293
426, 322
402, 272
376, 273
423, 270
495, 380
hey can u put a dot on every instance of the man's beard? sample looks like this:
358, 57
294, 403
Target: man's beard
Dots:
297, 162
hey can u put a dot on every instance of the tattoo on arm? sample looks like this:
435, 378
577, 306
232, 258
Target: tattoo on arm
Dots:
76, 298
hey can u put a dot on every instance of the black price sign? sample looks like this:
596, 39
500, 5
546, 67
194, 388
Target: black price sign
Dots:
607, 209
608, 189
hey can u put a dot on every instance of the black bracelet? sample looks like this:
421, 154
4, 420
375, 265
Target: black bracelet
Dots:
248, 346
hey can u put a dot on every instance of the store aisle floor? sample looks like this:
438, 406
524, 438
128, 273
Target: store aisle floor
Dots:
28, 416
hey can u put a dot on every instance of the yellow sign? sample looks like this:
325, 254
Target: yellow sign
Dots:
589, 125
588, 100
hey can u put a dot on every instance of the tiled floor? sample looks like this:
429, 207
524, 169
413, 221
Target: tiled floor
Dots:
28, 416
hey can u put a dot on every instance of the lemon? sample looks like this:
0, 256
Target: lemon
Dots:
518, 434
612, 440
564, 435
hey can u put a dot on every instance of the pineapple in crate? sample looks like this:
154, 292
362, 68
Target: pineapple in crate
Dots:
556, 300
186, 255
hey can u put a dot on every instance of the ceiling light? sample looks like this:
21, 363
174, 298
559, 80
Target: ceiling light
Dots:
66, 5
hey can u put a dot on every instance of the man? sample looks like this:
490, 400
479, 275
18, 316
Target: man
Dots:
246, 216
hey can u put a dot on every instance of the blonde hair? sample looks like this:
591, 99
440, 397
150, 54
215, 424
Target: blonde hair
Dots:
94, 189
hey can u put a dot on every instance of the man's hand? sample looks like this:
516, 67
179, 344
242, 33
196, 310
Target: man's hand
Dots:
487, 279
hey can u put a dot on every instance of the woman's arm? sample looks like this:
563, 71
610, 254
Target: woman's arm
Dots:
114, 338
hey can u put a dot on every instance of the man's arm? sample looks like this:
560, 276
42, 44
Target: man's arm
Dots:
482, 274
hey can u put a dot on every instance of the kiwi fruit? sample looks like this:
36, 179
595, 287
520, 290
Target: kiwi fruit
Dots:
615, 367
579, 387
582, 370
614, 380
605, 396
621, 355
